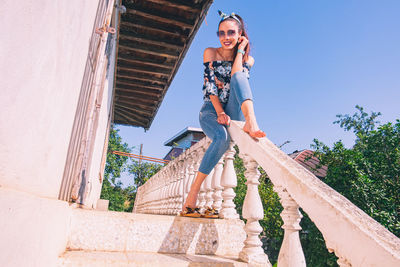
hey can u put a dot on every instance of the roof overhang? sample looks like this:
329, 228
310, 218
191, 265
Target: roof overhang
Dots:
153, 38
181, 134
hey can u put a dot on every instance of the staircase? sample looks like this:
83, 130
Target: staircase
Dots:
153, 236
107, 238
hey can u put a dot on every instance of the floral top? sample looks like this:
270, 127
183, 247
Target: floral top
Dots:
217, 78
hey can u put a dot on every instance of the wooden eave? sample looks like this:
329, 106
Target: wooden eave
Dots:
153, 38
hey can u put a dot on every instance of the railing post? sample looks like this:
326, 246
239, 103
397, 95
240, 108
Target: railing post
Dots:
209, 189
216, 185
191, 172
253, 211
291, 252
202, 194
229, 181
179, 191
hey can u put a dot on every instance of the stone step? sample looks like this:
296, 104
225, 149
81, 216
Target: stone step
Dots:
93, 230
143, 259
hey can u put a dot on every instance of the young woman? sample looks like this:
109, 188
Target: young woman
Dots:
227, 95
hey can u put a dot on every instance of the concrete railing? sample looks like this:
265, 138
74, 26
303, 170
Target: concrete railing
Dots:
166, 191
356, 238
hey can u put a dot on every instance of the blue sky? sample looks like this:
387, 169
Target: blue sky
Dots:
313, 60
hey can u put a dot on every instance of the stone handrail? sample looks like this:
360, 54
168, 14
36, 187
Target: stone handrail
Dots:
355, 237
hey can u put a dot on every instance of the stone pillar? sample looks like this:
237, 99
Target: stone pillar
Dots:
216, 185
209, 190
253, 211
228, 182
291, 252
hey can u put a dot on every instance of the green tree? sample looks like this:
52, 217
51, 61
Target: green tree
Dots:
367, 174
115, 164
122, 199
142, 171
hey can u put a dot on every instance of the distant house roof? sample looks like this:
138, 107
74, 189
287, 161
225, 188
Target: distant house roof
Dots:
153, 38
182, 134
173, 153
310, 162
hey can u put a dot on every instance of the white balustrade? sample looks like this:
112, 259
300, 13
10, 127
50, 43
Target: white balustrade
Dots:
208, 189
216, 185
253, 211
355, 238
291, 253
228, 182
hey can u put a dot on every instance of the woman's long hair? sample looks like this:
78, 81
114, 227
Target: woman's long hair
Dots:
244, 33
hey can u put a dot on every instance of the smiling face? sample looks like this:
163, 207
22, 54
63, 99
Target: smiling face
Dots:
229, 34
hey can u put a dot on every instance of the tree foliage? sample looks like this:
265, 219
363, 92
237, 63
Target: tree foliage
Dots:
367, 174
123, 198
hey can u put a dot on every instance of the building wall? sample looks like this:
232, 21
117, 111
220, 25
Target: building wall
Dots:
43, 51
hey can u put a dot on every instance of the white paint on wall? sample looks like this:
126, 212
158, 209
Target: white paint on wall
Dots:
42, 59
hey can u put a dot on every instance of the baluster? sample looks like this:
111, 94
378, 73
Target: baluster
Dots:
229, 181
171, 188
216, 185
176, 184
169, 191
180, 191
196, 169
291, 252
202, 195
209, 190
190, 172
253, 211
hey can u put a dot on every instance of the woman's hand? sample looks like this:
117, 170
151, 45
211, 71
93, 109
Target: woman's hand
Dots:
223, 118
243, 41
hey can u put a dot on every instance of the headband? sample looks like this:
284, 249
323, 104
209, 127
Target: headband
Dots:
226, 16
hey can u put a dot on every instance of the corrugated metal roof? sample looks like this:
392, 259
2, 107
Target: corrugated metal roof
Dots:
154, 36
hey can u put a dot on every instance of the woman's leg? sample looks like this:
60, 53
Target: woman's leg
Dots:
220, 143
241, 99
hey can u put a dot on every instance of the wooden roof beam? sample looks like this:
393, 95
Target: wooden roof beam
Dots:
128, 89
148, 50
136, 96
135, 104
129, 115
161, 17
149, 40
145, 70
181, 4
131, 121
128, 62
142, 84
134, 109
128, 74
151, 29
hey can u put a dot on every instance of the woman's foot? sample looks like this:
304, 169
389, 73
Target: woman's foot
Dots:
191, 200
251, 127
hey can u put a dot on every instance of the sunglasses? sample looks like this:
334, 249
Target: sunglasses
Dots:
230, 33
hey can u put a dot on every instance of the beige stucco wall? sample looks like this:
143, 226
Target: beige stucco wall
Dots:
26, 239
43, 50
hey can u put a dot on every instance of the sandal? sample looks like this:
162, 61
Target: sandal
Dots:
211, 213
190, 212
